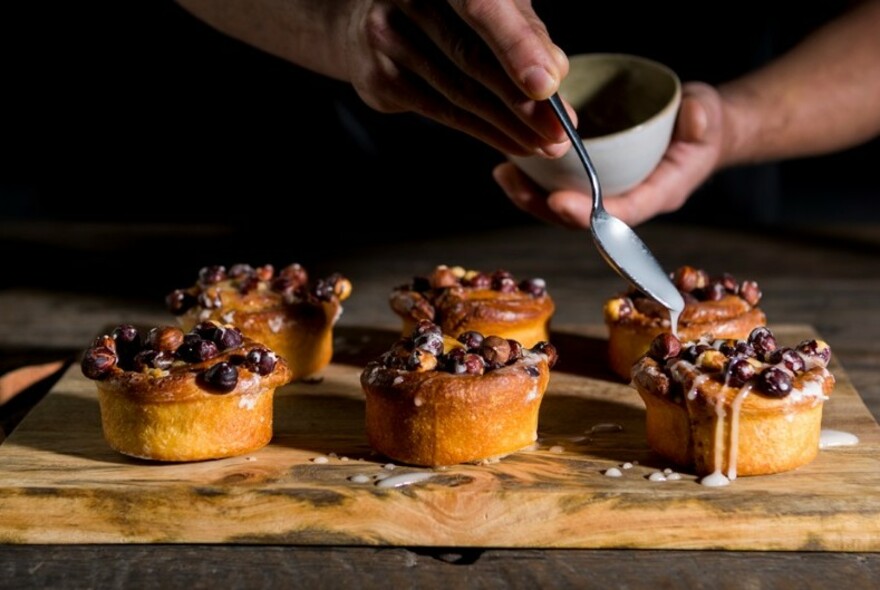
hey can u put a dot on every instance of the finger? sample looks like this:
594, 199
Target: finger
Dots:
532, 199
683, 168
520, 42
692, 121
397, 40
388, 87
690, 159
470, 54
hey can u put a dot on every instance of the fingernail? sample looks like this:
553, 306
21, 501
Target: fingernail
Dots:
539, 83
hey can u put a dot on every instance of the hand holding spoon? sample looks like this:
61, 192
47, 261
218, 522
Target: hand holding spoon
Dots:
617, 242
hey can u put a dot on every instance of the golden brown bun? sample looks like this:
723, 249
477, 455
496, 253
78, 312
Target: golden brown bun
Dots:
698, 415
434, 417
177, 413
293, 318
634, 320
460, 300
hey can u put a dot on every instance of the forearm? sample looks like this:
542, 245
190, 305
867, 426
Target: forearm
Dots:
822, 96
305, 32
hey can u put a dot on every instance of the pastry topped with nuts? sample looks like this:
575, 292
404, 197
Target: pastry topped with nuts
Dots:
734, 407
715, 306
460, 300
284, 310
167, 395
433, 400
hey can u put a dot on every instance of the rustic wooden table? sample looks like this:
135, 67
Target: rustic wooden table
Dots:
826, 279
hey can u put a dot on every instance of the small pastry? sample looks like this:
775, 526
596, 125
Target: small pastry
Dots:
460, 300
719, 307
284, 311
171, 396
734, 407
435, 401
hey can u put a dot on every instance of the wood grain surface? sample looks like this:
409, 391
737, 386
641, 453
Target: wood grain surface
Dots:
61, 483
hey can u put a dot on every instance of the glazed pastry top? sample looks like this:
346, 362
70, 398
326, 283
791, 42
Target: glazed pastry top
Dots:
243, 288
707, 299
166, 364
427, 353
450, 296
708, 368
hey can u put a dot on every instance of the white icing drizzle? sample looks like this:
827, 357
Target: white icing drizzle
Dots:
657, 476
404, 479
613, 472
674, 314
247, 401
532, 394
811, 388
275, 324
836, 438
735, 409
716, 478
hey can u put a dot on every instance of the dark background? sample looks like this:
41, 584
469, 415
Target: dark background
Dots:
137, 113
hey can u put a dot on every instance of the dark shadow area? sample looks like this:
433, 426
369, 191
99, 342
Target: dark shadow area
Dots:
139, 115
581, 355
358, 345
14, 410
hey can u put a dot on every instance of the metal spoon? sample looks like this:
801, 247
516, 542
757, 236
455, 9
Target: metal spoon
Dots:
617, 242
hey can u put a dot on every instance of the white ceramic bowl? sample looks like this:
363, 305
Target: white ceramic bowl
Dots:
627, 106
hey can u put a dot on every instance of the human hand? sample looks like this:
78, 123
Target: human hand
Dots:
693, 155
484, 67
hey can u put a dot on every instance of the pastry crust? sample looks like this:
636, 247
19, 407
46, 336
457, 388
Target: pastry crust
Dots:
698, 415
289, 315
177, 414
460, 300
633, 320
434, 417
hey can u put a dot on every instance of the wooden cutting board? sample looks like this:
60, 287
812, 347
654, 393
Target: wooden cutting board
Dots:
61, 483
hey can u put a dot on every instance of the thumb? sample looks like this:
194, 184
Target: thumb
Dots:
693, 114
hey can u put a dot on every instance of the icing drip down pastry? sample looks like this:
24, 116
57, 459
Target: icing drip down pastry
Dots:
734, 407
460, 300
285, 311
172, 396
719, 307
432, 400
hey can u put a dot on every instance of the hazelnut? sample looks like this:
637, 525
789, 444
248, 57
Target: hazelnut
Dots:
495, 350
294, 273
167, 338
549, 351
750, 292
688, 278
618, 308
711, 360
664, 346
443, 277
265, 272
342, 288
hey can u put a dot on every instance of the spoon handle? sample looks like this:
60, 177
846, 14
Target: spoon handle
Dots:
578, 146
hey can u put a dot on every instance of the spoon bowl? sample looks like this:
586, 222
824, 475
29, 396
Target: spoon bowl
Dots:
618, 244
